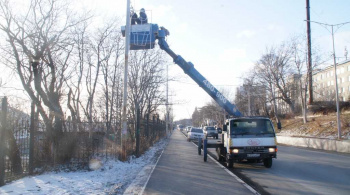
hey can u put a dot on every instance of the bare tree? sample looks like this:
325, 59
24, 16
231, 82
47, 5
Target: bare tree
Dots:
299, 60
40, 36
273, 71
75, 84
251, 97
111, 69
146, 79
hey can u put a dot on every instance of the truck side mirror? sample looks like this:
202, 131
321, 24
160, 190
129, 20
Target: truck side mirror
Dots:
224, 128
279, 125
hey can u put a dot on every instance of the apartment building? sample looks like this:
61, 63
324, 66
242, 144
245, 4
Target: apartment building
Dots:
324, 83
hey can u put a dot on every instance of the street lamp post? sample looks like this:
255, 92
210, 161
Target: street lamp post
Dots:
336, 89
335, 69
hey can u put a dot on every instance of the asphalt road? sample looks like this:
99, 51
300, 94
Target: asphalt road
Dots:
299, 171
180, 170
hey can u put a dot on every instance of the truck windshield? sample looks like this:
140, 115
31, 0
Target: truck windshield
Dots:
210, 129
251, 127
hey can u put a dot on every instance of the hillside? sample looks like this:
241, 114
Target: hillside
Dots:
321, 126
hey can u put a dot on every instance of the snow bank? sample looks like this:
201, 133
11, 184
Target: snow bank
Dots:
110, 177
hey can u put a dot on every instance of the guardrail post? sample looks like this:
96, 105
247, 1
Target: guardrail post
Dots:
199, 146
205, 152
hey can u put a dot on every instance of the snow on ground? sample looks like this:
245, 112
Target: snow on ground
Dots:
110, 177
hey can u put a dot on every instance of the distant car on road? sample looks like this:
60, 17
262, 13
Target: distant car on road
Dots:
210, 132
180, 127
188, 128
195, 133
219, 130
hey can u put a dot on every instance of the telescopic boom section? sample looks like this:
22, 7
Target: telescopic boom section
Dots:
189, 69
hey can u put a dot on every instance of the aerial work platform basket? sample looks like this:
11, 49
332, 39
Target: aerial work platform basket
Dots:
142, 36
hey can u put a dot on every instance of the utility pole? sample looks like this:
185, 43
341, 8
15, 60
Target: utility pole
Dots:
125, 95
308, 29
335, 69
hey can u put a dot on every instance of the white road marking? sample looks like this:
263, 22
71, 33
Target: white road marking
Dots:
144, 186
232, 174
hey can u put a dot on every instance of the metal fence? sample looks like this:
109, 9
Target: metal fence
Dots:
24, 150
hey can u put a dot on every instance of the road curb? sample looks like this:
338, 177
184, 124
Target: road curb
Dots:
316, 143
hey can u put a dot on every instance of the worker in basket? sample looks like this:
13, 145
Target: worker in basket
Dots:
143, 17
134, 17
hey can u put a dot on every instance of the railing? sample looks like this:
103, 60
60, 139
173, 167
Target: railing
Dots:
79, 143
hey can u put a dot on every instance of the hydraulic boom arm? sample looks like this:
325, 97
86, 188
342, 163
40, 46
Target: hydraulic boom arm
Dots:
196, 76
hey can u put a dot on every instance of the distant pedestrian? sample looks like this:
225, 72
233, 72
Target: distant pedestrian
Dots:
143, 17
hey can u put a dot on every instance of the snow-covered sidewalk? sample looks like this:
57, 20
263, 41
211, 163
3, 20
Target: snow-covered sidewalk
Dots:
113, 177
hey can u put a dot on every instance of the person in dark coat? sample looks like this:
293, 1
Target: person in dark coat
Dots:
143, 17
134, 18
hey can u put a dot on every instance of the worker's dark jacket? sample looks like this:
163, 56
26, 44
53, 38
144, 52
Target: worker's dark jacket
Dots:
142, 18
134, 19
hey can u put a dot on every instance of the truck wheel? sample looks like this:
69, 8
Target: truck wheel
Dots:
229, 163
268, 162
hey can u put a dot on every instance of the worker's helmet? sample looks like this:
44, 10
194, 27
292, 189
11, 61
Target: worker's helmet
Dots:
142, 10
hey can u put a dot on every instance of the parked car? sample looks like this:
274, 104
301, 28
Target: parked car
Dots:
195, 133
210, 132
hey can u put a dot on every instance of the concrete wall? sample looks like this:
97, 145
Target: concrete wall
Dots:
316, 143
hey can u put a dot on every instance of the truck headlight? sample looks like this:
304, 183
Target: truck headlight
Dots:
235, 151
271, 150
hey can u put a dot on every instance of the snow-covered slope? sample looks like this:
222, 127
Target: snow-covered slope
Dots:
110, 177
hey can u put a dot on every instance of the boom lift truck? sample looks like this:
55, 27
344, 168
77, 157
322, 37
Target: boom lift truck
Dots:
244, 138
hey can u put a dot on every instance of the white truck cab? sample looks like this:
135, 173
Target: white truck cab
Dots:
251, 139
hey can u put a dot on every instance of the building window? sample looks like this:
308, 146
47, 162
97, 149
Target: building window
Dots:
332, 82
348, 68
342, 70
343, 80
331, 73
328, 83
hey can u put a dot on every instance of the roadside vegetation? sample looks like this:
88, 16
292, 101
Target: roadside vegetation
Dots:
320, 126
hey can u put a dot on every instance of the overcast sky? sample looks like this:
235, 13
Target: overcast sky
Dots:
224, 38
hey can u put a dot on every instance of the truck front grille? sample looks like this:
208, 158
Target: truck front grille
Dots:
256, 149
